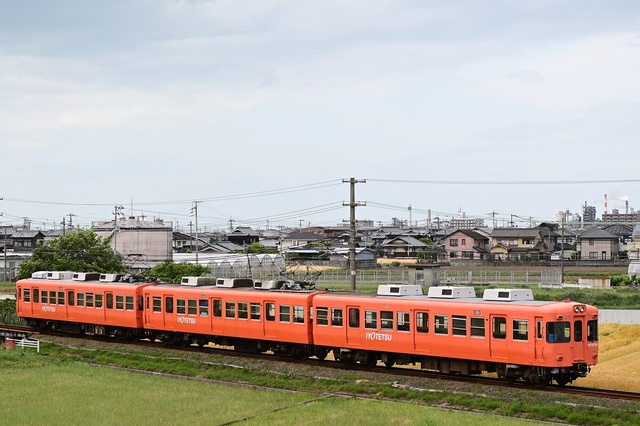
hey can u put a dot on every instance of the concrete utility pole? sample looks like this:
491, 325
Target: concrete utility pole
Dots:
194, 209
352, 229
116, 213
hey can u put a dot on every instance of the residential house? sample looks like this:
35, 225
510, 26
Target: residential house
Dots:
243, 236
517, 244
364, 257
598, 244
301, 240
401, 247
466, 244
26, 241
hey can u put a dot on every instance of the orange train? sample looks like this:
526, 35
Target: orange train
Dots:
449, 330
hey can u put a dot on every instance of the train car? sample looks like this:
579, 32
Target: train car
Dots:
82, 305
249, 319
451, 330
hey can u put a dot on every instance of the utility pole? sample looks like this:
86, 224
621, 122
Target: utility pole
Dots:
116, 213
352, 229
194, 209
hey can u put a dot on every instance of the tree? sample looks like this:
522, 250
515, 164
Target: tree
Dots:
80, 251
257, 248
170, 272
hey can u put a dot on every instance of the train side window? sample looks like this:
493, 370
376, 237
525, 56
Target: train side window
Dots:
386, 320
27, 295
89, 300
255, 311
230, 309
441, 324
36, 295
80, 299
243, 310
336, 317
192, 307
285, 313
403, 321
422, 322
354, 317
322, 316
271, 311
157, 303
45, 296
371, 319
181, 306
110, 302
499, 328
298, 314
98, 300
70, 297
120, 303
128, 303
477, 326
459, 326
147, 306
140, 302
592, 331
61, 298
217, 307
53, 297
168, 304
577, 331
520, 330
204, 307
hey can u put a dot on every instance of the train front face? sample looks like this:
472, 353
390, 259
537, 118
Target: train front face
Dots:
572, 340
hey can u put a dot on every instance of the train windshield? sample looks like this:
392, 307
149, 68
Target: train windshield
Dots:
592, 331
559, 332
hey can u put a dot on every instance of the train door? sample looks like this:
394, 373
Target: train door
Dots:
538, 340
354, 324
269, 323
168, 314
110, 316
421, 336
70, 305
498, 341
578, 337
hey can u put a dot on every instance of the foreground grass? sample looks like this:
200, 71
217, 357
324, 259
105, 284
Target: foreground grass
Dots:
47, 386
51, 391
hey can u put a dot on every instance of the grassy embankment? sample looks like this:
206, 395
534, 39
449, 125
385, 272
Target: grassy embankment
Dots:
58, 386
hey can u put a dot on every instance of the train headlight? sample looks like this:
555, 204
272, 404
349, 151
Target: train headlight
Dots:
581, 308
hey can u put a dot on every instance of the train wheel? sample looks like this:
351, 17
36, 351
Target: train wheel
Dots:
389, 361
562, 380
371, 360
321, 354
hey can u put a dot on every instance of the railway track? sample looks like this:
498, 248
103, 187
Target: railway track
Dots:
400, 371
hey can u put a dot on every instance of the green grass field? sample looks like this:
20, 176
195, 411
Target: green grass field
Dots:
38, 391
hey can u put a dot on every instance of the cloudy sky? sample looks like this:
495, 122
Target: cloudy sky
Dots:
259, 109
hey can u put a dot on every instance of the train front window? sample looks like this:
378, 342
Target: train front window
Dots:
559, 332
27, 295
577, 331
592, 331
